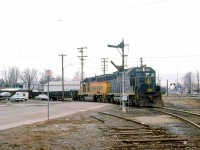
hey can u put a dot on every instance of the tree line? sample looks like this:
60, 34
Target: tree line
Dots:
189, 83
13, 77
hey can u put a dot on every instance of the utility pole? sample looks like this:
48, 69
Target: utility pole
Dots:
198, 82
82, 59
159, 78
167, 87
48, 100
177, 85
141, 62
62, 56
104, 66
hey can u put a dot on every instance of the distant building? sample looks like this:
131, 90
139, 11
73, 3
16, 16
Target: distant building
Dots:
10, 89
57, 86
34, 86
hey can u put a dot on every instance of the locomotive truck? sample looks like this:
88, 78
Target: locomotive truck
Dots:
137, 83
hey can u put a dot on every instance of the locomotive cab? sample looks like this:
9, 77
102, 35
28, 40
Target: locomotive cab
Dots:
147, 93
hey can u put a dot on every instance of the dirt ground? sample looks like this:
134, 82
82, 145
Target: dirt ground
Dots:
76, 132
182, 102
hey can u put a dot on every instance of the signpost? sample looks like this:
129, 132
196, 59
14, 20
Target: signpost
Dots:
48, 73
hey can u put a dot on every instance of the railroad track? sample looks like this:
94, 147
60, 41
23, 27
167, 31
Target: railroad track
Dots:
126, 133
190, 118
186, 116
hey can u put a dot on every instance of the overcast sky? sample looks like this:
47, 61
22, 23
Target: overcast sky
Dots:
166, 33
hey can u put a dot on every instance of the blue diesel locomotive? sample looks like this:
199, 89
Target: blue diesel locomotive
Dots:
137, 83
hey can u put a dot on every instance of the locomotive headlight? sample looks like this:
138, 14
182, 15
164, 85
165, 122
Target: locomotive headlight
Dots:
149, 90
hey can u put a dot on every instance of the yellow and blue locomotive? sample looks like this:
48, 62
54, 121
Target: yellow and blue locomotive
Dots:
137, 83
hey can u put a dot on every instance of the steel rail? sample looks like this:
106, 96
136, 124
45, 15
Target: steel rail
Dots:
184, 119
97, 118
180, 111
124, 119
128, 137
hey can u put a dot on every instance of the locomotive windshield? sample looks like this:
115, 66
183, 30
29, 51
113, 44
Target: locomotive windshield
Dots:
144, 71
141, 75
145, 74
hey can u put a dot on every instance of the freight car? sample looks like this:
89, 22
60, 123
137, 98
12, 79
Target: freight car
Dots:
53, 95
138, 84
56, 95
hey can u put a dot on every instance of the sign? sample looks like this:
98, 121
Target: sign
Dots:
124, 97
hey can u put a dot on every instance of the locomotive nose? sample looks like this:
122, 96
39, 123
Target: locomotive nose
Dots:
149, 90
150, 98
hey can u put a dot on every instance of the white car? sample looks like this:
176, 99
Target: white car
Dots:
17, 98
42, 97
5, 95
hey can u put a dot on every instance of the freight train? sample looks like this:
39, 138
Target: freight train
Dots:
136, 84
53, 95
56, 95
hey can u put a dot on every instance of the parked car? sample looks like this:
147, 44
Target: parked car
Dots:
194, 94
42, 97
17, 98
5, 95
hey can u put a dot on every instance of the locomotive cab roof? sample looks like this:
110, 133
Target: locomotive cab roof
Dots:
130, 71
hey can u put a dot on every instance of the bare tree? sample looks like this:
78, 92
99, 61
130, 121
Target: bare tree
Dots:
187, 81
58, 78
198, 81
28, 76
5, 73
2, 83
11, 76
44, 77
77, 76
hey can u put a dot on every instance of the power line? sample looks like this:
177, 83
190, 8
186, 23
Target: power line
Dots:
115, 10
163, 57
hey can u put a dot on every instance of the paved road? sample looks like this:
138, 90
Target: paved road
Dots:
16, 114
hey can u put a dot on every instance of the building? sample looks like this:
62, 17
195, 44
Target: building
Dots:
34, 86
57, 86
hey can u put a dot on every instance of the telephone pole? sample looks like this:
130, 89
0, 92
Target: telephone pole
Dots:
62, 56
104, 65
82, 59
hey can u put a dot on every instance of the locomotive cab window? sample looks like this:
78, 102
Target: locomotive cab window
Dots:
152, 74
148, 74
138, 74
